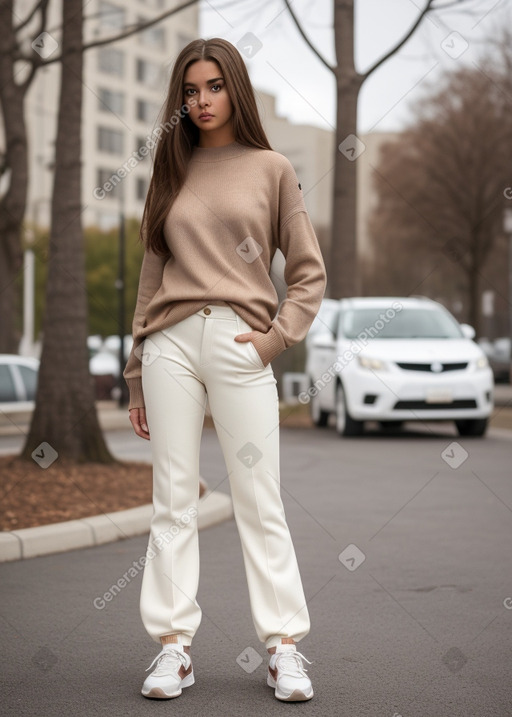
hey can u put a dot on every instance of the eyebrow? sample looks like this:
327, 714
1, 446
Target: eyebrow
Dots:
216, 79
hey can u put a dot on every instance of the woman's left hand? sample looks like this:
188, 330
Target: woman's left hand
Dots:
243, 338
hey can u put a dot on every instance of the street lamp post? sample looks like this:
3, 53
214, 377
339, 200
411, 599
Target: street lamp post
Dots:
120, 286
507, 226
27, 344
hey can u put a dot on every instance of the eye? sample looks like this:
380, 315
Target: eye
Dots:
189, 92
216, 88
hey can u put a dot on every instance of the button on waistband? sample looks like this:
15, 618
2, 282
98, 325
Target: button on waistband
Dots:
207, 311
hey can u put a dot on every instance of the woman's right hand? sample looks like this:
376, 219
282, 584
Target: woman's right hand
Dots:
139, 423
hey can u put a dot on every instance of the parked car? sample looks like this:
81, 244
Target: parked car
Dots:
325, 321
104, 365
18, 383
498, 353
94, 344
111, 344
397, 359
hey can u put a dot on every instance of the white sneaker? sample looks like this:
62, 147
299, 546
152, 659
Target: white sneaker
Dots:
287, 675
172, 673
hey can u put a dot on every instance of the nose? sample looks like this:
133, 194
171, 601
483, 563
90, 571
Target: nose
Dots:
203, 99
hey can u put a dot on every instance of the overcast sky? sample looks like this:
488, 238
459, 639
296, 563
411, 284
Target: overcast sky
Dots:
282, 63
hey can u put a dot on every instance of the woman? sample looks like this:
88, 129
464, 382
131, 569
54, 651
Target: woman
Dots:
219, 203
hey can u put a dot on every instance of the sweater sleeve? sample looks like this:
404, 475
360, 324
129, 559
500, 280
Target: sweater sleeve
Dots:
304, 272
149, 282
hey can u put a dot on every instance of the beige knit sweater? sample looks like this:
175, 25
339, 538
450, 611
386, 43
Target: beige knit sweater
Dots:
238, 204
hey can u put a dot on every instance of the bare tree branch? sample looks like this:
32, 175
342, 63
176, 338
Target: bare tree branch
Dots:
454, 3
401, 43
134, 29
41, 5
38, 61
306, 38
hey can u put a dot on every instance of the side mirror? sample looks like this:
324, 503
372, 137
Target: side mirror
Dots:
468, 331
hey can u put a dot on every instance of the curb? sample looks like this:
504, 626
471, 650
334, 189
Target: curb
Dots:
214, 507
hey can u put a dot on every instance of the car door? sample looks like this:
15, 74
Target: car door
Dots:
322, 357
8, 392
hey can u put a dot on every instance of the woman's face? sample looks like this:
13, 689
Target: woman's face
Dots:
210, 106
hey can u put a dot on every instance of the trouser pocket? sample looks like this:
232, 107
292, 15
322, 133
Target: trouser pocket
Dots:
250, 348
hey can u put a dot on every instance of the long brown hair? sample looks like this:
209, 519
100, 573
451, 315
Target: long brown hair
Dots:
174, 146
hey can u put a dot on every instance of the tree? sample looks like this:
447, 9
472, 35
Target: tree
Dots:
65, 413
14, 39
14, 166
65, 416
343, 273
440, 186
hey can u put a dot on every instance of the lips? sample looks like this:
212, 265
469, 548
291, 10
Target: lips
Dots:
205, 115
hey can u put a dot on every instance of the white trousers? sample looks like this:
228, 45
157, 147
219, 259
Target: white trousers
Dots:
182, 366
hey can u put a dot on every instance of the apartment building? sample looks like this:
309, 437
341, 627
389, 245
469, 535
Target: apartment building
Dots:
125, 84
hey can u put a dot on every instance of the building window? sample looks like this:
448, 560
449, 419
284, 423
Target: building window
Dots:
147, 111
110, 101
110, 140
148, 73
111, 61
183, 39
141, 189
111, 15
153, 36
142, 142
110, 182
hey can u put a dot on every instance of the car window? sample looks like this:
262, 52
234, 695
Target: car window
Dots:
378, 323
7, 389
29, 377
325, 320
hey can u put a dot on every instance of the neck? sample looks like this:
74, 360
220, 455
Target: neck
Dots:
215, 139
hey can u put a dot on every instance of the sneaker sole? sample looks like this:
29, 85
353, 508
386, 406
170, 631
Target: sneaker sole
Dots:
157, 693
295, 696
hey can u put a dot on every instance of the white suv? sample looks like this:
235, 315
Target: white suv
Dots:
393, 360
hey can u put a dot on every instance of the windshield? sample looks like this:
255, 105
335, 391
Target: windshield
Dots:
379, 323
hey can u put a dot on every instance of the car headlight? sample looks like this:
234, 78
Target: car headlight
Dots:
482, 362
373, 364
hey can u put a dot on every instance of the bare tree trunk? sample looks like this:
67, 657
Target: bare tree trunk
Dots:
65, 414
12, 96
12, 205
344, 279
474, 298
10, 264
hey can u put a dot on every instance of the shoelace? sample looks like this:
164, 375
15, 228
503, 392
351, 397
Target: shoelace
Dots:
290, 663
168, 660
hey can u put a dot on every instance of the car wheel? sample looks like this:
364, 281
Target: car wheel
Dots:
472, 427
345, 424
319, 417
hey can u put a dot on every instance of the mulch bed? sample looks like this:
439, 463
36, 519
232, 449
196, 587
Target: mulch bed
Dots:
31, 495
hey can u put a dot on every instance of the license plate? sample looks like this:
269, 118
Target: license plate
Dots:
441, 395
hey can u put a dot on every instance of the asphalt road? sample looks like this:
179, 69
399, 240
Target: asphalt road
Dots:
404, 547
